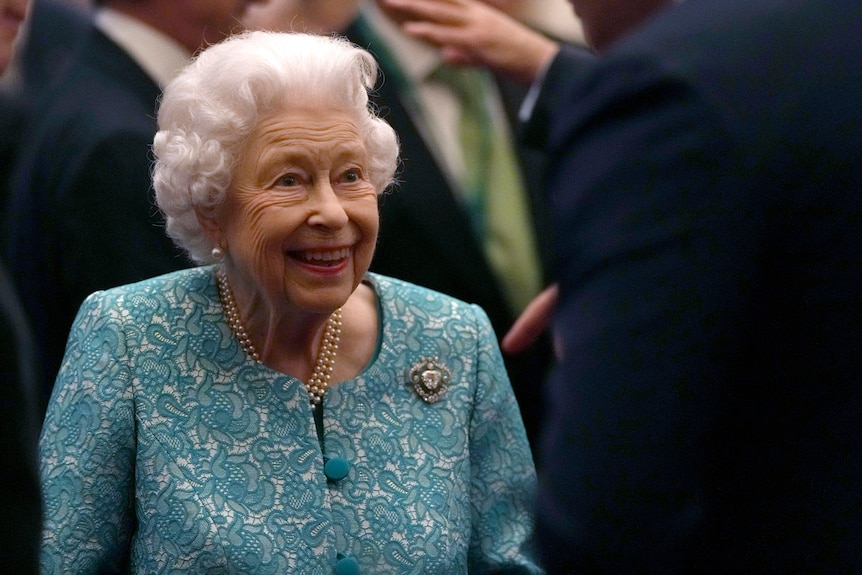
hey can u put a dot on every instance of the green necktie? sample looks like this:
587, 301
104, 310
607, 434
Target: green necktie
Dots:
493, 188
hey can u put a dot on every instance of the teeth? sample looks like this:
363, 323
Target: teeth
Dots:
326, 256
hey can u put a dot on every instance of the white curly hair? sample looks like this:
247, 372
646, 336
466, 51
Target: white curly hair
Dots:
208, 111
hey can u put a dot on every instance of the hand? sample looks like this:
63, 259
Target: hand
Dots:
532, 321
471, 32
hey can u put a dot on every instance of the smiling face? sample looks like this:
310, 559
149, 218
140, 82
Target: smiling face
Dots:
300, 220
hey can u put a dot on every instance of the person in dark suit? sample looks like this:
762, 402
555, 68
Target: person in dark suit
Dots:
704, 417
54, 29
429, 236
707, 170
81, 215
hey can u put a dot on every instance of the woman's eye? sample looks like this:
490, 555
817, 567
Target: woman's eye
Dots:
288, 181
351, 176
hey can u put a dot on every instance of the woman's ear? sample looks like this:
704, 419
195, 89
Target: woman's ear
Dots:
210, 225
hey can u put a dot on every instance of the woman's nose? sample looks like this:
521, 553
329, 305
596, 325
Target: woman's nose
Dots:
326, 207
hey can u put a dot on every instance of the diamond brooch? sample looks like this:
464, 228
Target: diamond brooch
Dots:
430, 379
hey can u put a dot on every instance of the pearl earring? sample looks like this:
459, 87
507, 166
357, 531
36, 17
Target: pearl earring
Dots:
217, 254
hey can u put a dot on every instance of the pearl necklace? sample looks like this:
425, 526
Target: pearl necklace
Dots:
319, 380
323, 367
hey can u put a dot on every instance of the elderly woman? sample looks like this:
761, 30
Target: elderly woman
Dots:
283, 410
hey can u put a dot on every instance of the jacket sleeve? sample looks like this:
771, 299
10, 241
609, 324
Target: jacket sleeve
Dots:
503, 476
87, 450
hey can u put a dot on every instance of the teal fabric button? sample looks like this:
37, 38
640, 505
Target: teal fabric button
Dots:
336, 468
347, 566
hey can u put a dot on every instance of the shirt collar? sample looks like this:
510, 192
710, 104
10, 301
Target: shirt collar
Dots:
158, 54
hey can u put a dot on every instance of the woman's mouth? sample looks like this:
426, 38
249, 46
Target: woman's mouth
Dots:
323, 258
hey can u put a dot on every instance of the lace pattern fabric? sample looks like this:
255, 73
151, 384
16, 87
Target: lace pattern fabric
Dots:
166, 449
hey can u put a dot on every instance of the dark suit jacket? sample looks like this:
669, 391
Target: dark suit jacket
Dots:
82, 216
705, 417
426, 236
56, 30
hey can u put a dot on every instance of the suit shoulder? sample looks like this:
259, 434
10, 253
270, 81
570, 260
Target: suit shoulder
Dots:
103, 85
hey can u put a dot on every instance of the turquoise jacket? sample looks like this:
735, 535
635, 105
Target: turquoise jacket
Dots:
167, 450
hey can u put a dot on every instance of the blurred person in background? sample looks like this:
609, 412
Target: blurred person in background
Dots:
704, 417
47, 43
80, 215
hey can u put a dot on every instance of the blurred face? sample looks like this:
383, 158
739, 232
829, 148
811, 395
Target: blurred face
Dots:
606, 21
314, 16
300, 222
12, 14
206, 22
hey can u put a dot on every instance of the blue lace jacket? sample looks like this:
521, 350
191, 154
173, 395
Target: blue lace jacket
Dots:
167, 450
